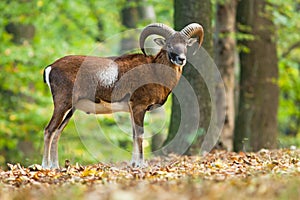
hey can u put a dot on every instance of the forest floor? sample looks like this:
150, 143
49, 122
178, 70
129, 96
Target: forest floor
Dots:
218, 175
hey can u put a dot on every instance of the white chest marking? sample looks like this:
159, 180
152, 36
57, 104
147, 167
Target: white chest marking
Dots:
47, 74
108, 75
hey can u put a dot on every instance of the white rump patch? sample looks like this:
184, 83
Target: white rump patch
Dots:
108, 75
47, 74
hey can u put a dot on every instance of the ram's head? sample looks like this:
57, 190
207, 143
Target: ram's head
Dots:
173, 42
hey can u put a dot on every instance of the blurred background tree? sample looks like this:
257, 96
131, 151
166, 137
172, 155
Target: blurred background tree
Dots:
256, 122
186, 12
225, 52
33, 33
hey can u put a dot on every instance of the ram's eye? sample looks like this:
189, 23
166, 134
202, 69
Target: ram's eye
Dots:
173, 55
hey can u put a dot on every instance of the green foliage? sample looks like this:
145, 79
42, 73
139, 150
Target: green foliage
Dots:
289, 109
244, 34
288, 142
286, 15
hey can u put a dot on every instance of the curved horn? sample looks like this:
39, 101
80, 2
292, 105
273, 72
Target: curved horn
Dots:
155, 28
193, 29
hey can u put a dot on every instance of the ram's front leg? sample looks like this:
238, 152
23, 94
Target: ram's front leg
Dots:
137, 119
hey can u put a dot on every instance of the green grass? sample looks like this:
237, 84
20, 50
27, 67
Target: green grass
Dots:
288, 141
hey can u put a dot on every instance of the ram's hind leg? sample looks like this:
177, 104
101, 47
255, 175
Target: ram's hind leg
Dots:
52, 133
54, 145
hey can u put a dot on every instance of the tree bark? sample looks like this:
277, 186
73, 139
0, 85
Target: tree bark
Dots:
256, 124
146, 12
225, 48
186, 12
21, 32
134, 12
130, 19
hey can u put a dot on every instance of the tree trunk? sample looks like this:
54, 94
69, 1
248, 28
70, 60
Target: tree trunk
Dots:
186, 12
130, 18
21, 32
225, 60
134, 12
146, 12
256, 124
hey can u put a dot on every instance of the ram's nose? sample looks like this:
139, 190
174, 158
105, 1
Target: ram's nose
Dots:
177, 59
181, 60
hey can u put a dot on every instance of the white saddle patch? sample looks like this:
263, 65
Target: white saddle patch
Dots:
108, 75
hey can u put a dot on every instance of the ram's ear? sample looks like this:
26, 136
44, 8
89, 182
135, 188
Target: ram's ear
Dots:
191, 41
160, 41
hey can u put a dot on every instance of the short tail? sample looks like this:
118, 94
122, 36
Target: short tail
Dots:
46, 75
